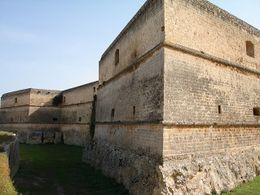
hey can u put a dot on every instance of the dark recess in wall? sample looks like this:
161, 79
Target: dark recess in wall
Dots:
93, 117
57, 100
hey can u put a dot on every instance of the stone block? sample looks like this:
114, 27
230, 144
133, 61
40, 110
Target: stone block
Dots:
48, 137
58, 136
22, 137
35, 137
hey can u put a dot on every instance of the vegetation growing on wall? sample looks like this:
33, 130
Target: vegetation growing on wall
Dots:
57, 100
6, 137
93, 117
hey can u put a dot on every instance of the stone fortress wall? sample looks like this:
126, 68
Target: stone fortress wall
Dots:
177, 108
172, 68
185, 107
130, 98
29, 113
76, 112
211, 84
37, 118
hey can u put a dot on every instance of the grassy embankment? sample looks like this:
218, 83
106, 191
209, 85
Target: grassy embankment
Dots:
6, 185
58, 169
251, 188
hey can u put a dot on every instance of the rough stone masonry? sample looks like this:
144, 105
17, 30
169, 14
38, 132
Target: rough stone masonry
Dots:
46, 116
9, 147
177, 109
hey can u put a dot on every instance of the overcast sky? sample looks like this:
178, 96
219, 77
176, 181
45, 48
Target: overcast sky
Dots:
56, 44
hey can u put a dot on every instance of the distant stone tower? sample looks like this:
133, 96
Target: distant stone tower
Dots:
178, 107
41, 116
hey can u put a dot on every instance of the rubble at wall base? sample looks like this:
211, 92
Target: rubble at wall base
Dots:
190, 175
135, 171
206, 175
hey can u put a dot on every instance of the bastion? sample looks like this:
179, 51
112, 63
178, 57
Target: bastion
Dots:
176, 109
178, 106
41, 116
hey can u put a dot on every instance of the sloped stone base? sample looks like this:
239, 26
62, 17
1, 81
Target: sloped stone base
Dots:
184, 175
136, 171
207, 175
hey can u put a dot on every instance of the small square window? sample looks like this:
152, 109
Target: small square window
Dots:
250, 49
112, 114
117, 57
256, 111
219, 109
134, 111
55, 119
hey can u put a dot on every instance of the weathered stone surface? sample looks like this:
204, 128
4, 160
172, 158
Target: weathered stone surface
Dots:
205, 175
77, 135
35, 137
202, 92
171, 93
22, 137
135, 170
31, 110
193, 175
10, 145
48, 137
58, 137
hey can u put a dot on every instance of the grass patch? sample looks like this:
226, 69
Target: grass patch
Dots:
252, 188
6, 185
58, 169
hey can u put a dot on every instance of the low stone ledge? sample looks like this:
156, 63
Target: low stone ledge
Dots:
10, 145
40, 137
75, 137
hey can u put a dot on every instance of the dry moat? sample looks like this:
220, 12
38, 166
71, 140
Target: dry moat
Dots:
58, 169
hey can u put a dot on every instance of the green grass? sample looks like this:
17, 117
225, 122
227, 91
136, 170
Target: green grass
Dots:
58, 169
251, 188
6, 185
